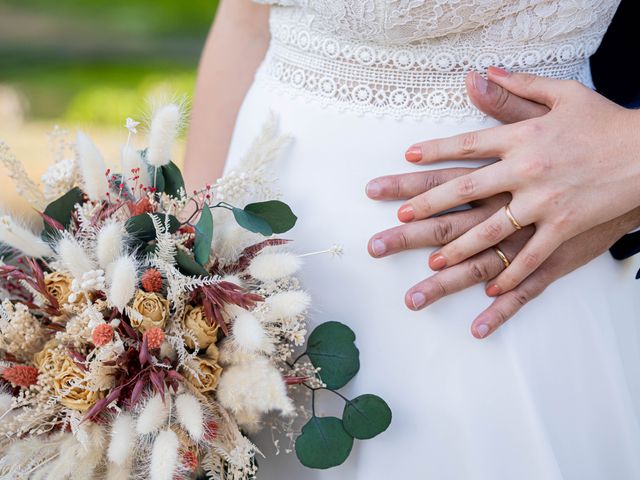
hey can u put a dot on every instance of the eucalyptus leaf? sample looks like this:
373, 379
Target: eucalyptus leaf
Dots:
188, 265
331, 348
252, 222
204, 236
141, 226
323, 443
61, 210
366, 416
173, 181
276, 213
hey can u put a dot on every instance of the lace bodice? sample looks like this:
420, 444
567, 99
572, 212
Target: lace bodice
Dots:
410, 57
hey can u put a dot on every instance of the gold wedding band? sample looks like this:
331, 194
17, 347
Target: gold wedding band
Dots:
512, 219
503, 257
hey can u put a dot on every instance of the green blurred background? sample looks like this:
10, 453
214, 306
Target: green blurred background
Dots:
91, 64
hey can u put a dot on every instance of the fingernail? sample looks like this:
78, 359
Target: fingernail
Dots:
373, 189
418, 299
501, 72
406, 213
378, 247
437, 261
480, 83
493, 290
414, 154
482, 330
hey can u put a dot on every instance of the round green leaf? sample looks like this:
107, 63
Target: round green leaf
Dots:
173, 181
61, 210
331, 348
323, 443
156, 176
252, 222
204, 236
141, 226
188, 266
366, 416
276, 213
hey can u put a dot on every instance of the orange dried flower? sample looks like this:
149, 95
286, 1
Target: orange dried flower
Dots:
102, 335
143, 206
21, 375
187, 229
155, 337
152, 280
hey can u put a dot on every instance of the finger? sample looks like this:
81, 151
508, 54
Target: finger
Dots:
478, 269
408, 185
481, 183
427, 233
531, 87
499, 103
537, 250
481, 237
508, 304
488, 143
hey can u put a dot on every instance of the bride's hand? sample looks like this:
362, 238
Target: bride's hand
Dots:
569, 170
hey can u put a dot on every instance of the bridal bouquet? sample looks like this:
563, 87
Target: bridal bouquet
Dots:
145, 332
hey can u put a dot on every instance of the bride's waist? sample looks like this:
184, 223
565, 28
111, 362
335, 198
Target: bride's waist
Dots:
426, 79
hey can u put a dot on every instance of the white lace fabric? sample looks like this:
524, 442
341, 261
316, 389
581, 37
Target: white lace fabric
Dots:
410, 57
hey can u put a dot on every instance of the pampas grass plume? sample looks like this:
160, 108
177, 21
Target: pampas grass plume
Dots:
132, 160
267, 267
123, 432
73, 256
164, 456
164, 130
123, 281
249, 335
287, 304
109, 244
189, 413
20, 238
92, 168
153, 416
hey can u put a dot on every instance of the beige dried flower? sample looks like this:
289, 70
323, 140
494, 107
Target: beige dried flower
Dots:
196, 323
58, 284
207, 374
153, 310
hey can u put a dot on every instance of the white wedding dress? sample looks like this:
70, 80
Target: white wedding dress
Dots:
555, 393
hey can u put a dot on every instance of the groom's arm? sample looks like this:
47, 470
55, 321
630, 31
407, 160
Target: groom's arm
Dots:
236, 45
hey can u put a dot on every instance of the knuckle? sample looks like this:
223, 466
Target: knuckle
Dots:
403, 240
466, 187
431, 180
468, 143
479, 272
501, 316
531, 260
394, 187
439, 288
443, 231
491, 232
520, 298
501, 100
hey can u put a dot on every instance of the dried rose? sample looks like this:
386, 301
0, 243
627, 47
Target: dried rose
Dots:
58, 285
197, 324
207, 374
153, 310
69, 381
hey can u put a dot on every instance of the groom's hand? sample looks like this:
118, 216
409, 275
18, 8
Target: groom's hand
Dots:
508, 108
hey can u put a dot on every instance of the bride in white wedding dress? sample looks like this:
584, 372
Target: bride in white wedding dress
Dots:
555, 394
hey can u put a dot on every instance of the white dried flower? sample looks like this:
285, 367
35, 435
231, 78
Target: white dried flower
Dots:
268, 267
249, 334
287, 304
189, 413
153, 416
123, 434
133, 165
109, 244
163, 133
59, 178
20, 238
164, 456
92, 168
131, 125
123, 281
73, 256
